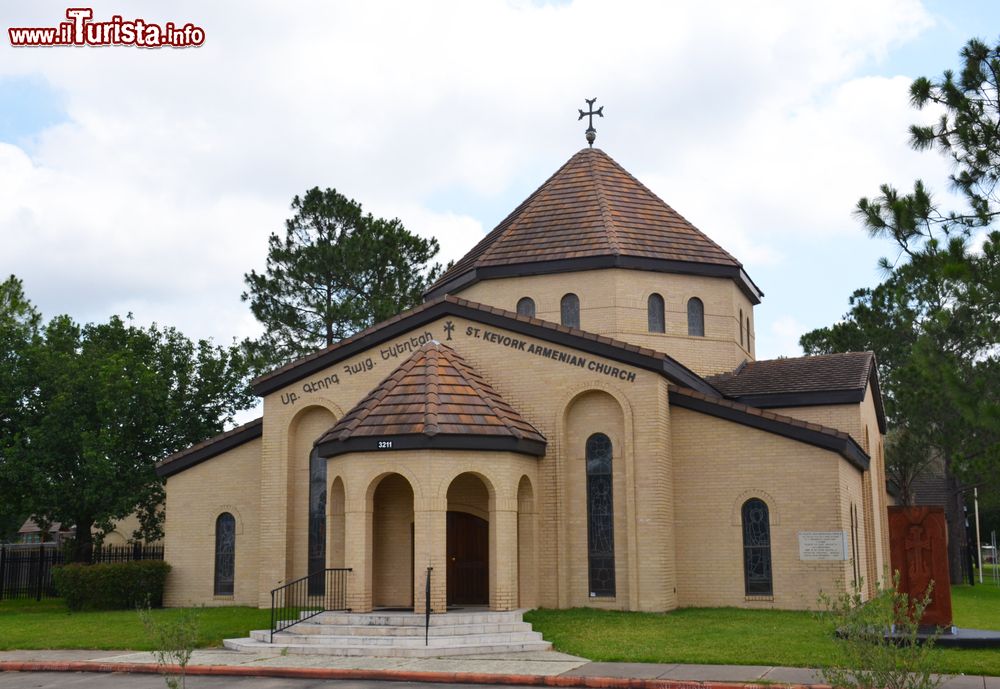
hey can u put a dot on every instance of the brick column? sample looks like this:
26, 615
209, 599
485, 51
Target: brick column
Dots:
503, 554
358, 555
430, 535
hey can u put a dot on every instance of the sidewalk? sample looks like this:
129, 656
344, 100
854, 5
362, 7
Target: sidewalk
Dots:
537, 668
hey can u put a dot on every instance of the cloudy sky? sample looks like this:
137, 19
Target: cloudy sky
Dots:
149, 180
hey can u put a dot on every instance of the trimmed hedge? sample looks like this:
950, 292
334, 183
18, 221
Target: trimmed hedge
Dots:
117, 586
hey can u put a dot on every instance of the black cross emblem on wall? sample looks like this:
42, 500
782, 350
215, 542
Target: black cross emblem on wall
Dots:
449, 328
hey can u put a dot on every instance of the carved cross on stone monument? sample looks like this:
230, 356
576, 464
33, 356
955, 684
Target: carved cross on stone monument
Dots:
591, 132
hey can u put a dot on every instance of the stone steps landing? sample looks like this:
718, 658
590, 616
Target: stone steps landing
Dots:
399, 634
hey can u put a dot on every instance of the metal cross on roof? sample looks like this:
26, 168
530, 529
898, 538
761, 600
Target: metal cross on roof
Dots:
591, 132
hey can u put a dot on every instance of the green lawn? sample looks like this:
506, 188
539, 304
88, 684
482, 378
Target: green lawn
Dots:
31, 625
692, 635
733, 636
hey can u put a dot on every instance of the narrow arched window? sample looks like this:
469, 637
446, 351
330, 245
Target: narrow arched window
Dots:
526, 307
748, 332
741, 327
225, 554
756, 548
696, 317
569, 310
654, 314
600, 517
317, 523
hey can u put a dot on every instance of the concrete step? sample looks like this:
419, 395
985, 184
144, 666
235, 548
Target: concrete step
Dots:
401, 619
337, 640
310, 628
276, 649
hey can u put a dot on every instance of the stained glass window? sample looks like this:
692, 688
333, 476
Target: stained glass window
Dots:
654, 309
600, 516
317, 522
696, 317
569, 310
526, 307
225, 554
757, 548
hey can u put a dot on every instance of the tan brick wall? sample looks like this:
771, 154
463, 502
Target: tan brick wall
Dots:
614, 303
195, 498
667, 490
719, 465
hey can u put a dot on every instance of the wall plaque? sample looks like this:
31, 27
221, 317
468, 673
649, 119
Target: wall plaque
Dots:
823, 545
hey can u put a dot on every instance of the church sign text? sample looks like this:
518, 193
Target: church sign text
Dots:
552, 353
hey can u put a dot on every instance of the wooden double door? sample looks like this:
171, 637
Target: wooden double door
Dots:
468, 559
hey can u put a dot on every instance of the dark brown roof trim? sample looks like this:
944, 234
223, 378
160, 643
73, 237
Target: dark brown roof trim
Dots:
801, 399
421, 441
196, 454
571, 265
460, 308
811, 434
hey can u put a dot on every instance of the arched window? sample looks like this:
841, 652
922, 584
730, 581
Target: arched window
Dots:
526, 307
569, 310
654, 314
748, 332
225, 554
317, 522
600, 517
696, 317
741, 327
756, 548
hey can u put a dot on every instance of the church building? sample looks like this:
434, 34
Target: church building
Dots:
575, 416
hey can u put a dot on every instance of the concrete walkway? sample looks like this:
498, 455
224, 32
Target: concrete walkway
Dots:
550, 668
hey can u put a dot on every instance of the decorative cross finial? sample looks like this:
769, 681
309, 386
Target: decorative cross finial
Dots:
591, 132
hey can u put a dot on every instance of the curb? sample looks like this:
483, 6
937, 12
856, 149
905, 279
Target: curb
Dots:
388, 675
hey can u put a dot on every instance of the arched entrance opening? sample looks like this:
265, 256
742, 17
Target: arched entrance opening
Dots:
392, 543
468, 542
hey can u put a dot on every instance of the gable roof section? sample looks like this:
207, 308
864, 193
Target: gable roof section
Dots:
598, 345
804, 381
196, 454
435, 399
779, 424
593, 214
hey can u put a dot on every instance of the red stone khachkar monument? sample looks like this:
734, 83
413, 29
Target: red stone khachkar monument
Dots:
919, 552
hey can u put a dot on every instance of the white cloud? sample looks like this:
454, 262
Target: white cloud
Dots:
780, 337
159, 191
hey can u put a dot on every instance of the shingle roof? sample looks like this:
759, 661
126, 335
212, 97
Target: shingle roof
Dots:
591, 207
825, 372
433, 393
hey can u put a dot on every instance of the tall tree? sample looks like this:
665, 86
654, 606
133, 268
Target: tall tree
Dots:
19, 324
107, 401
336, 271
935, 321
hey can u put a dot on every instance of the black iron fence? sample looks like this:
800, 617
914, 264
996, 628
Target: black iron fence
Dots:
26, 570
295, 601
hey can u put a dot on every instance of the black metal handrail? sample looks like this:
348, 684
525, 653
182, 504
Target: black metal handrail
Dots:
427, 606
324, 590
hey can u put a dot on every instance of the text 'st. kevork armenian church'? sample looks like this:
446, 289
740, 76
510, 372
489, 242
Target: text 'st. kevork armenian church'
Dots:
574, 417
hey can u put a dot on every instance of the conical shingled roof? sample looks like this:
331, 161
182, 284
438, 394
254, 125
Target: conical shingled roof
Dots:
435, 399
592, 207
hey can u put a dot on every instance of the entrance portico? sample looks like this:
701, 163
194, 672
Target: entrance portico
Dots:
435, 471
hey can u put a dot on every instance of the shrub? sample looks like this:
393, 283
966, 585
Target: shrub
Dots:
878, 640
121, 585
175, 641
